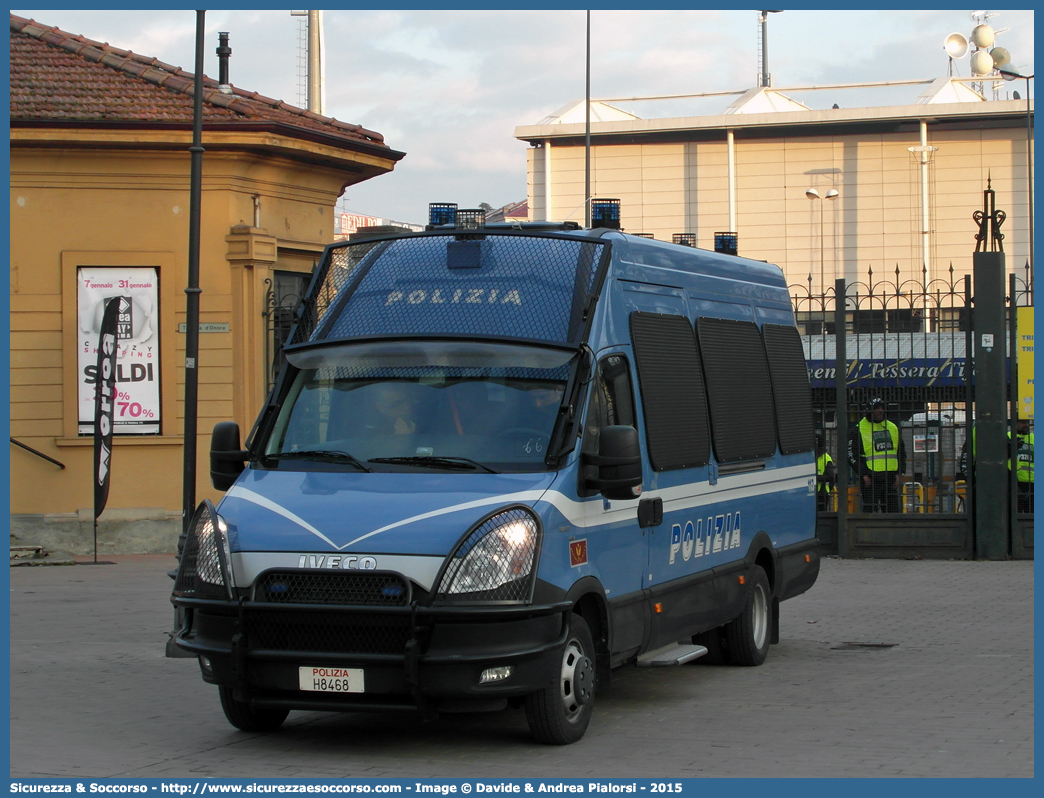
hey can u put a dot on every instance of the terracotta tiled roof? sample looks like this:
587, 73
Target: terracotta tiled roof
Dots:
58, 77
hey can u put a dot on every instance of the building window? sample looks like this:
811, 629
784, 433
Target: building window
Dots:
286, 291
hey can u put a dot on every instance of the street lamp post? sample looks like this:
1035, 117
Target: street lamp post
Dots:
1009, 75
831, 195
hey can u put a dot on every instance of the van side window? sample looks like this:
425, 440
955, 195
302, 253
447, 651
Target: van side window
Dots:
611, 401
790, 389
743, 422
673, 396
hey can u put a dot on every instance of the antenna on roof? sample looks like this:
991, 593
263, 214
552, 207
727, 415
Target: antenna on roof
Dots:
316, 60
764, 78
302, 58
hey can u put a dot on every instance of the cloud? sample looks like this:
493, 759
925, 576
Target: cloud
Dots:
449, 87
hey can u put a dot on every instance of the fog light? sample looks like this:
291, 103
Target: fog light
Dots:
204, 664
497, 674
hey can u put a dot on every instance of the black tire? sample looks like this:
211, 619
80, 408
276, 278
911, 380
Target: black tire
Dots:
560, 713
240, 714
749, 635
717, 649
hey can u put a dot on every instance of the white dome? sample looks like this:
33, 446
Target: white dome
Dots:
983, 36
981, 62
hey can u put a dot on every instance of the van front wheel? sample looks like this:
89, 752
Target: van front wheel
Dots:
242, 716
559, 713
748, 636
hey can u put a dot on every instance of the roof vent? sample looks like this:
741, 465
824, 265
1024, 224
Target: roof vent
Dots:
223, 53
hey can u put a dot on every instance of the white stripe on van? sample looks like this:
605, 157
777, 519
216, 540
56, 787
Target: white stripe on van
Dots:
682, 497
237, 492
521, 496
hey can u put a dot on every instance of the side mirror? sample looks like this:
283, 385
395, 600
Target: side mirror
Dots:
226, 458
618, 463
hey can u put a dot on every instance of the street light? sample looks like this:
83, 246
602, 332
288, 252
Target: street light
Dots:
831, 195
1008, 74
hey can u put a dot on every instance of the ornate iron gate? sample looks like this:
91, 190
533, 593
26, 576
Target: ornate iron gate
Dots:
906, 343
283, 295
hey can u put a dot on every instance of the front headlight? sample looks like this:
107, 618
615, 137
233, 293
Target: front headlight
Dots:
205, 570
495, 562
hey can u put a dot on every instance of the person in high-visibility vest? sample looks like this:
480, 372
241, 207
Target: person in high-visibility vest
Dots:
877, 454
1023, 464
826, 475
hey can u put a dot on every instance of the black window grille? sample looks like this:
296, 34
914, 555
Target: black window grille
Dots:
672, 391
739, 389
790, 391
521, 286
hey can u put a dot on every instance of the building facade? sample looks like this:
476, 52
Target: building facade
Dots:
822, 193
100, 170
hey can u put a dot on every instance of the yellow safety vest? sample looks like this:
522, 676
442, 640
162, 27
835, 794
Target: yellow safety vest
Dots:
1024, 457
880, 445
821, 463
1024, 473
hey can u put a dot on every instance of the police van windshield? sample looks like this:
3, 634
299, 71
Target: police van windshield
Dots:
486, 406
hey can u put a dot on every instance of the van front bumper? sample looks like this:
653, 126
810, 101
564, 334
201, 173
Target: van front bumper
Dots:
412, 657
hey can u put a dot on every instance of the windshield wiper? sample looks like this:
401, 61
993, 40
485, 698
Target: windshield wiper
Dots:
318, 454
462, 463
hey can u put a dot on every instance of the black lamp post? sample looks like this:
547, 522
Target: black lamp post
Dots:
1007, 74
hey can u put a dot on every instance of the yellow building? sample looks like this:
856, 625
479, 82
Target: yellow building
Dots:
894, 186
100, 206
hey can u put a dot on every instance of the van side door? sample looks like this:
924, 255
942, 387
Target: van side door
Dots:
615, 544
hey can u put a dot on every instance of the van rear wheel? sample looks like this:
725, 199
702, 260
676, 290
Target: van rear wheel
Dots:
748, 636
241, 715
560, 713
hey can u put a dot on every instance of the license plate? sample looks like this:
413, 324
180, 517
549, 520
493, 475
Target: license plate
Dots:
331, 680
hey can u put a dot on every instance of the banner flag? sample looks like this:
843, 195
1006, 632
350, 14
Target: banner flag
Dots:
104, 399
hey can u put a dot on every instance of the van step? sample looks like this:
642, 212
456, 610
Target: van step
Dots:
675, 654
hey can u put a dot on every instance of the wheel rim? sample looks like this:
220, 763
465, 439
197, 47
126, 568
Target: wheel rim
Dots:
575, 667
761, 619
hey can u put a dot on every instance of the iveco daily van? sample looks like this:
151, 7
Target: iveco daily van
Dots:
501, 462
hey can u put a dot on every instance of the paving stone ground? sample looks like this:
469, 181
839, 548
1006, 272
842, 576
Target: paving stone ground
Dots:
951, 695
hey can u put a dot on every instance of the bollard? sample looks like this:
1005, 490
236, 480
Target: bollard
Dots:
913, 497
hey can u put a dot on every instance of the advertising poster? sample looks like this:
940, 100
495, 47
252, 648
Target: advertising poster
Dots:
136, 408
1024, 353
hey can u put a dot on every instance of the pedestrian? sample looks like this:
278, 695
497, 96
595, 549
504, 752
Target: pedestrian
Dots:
1024, 465
877, 454
826, 475
1023, 468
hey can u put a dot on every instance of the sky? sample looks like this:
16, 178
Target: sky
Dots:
449, 88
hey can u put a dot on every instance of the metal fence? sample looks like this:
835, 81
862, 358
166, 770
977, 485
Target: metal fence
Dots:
907, 343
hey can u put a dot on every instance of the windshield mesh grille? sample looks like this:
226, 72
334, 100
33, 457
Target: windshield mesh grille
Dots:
523, 286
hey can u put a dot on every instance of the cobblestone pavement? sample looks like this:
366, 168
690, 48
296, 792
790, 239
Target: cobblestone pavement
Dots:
884, 668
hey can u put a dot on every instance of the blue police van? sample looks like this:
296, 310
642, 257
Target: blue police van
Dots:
501, 462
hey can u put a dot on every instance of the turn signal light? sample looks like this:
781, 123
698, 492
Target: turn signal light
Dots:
808, 558
743, 580
658, 607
